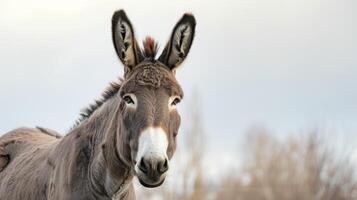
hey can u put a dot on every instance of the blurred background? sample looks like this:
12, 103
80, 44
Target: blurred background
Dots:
270, 87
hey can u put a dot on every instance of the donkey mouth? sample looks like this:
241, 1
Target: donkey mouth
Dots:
151, 185
149, 179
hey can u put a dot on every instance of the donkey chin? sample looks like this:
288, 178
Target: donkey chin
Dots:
151, 160
150, 182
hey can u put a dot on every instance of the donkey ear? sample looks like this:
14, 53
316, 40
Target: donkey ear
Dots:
124, 40
180, 42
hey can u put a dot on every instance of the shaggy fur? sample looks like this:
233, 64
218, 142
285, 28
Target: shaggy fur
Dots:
111, 90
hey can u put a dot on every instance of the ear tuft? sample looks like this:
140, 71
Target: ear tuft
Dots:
150, 47
119, 14
189, 18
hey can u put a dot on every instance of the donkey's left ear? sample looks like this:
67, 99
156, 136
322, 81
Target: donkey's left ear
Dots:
180, 42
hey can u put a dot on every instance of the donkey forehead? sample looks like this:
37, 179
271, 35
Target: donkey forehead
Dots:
152, 75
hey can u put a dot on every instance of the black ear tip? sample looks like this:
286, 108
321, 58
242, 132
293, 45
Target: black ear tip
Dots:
189, 18
119, 14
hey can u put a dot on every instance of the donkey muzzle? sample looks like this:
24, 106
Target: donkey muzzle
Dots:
152, 171
152, 162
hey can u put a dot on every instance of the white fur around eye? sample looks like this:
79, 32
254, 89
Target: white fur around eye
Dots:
171, 101
133, 98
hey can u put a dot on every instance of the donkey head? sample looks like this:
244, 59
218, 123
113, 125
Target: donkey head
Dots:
149, 95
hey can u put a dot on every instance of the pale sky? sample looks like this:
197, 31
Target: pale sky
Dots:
288, 64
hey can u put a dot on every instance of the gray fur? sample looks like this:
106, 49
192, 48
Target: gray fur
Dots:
95, 159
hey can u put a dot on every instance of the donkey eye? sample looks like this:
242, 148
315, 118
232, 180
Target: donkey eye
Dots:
176, 101
128, 99
173, 101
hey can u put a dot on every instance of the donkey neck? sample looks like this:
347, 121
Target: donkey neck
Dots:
108, 171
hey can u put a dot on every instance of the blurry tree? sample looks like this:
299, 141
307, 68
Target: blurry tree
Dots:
293, 169
193, 188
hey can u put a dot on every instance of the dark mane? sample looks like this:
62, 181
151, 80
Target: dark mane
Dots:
150, 48
108, 93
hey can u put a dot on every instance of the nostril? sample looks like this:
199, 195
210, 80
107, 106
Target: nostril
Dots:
142, 166
163, 166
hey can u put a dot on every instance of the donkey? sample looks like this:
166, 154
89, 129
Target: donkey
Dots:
131, 131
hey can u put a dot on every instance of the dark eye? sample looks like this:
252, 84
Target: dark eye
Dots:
128, 99
175, 101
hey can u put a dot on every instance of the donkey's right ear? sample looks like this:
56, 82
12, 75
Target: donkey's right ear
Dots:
124, 40
180, 42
